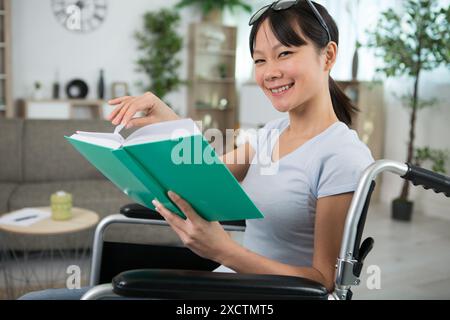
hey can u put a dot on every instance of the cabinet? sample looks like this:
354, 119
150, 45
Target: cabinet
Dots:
212, 96
64, 109
370, 121
6, 107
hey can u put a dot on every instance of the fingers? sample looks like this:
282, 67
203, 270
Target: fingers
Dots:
115, 116
171, 218
137, 105
140, 122
128, 107
115, 112
184, 207
117, 101
119, 118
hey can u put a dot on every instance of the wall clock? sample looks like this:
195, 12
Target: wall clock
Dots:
80, 15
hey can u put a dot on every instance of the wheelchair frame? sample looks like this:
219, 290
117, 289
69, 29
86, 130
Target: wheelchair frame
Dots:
350, 261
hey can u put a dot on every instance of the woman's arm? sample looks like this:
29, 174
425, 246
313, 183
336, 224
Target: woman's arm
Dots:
330, 221
155, 110
238, 161
210, 241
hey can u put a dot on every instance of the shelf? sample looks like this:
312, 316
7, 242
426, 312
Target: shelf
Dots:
227, 53
71, 101
212, 53
6, 101
213, 109
215, 80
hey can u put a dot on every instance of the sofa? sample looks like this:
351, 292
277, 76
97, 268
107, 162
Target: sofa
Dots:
36, 161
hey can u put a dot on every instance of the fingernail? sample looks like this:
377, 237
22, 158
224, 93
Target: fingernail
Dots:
171, 194
129, 126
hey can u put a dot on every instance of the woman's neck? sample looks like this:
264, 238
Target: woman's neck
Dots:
313, 117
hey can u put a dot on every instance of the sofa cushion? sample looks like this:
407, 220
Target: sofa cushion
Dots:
49, 157
6, 189
100, 196
10, 150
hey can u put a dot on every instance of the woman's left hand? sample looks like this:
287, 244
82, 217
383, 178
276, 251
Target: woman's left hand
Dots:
207, 239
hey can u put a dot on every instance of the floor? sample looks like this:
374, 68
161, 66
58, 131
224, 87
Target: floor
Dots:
413, 259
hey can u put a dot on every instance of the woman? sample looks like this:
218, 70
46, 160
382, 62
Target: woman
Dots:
319, 159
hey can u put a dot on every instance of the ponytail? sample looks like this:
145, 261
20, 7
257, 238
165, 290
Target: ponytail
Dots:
342, 105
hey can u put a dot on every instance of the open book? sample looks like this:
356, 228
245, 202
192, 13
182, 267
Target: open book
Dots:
167, 156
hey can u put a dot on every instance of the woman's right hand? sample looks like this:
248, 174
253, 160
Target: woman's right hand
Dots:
153, 108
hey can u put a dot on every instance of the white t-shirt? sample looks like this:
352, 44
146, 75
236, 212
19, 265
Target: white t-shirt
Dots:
287, 191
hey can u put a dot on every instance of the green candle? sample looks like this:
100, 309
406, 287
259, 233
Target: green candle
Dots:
61, 203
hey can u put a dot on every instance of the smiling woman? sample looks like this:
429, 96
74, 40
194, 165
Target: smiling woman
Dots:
298, 44
318, 158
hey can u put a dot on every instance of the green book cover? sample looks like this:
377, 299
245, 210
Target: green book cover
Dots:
151, 162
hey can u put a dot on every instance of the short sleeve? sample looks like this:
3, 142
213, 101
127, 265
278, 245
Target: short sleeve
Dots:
341, 172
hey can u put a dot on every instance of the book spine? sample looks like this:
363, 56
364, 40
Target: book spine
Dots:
147, 179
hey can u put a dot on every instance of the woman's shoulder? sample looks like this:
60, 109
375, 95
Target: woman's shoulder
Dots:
340, 160
344, 146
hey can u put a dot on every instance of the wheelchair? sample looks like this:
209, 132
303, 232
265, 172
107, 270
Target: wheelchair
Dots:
125, 270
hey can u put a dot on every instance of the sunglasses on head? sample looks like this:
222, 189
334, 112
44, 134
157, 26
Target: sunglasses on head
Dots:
286, 4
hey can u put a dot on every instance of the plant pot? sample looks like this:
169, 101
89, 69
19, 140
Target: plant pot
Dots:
214, 16
402, 210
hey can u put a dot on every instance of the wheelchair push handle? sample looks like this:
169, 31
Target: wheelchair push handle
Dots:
428, 179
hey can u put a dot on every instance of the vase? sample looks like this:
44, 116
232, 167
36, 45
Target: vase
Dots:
401, 210
214, 16
355, 65
101, 86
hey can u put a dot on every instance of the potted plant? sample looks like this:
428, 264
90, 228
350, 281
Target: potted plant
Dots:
160, 44
412, 42
212, 9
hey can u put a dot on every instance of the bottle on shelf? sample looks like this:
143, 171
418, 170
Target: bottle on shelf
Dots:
101, 86
56, 87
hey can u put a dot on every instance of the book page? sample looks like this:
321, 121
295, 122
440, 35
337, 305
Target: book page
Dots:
109, 140
163, 131
152, 133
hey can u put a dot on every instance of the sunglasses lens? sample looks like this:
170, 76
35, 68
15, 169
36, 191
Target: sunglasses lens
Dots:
283, 5
258, 14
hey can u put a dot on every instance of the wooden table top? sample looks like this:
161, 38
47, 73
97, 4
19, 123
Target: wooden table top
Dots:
82, 219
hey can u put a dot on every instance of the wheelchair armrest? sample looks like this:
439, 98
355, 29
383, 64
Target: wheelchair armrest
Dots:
137, 211
183, 284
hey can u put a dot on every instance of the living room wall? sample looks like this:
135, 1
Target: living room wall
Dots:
41, 46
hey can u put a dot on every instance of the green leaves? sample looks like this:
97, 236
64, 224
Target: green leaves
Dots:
412, 41
207, 6
436, 157
159, 45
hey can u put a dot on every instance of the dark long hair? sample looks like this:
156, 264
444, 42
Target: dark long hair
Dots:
282, 22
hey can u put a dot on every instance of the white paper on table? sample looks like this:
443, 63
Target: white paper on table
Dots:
24, 217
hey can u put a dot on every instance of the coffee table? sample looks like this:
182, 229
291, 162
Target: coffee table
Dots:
26, 269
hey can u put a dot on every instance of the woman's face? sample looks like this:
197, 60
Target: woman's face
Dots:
289, 76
